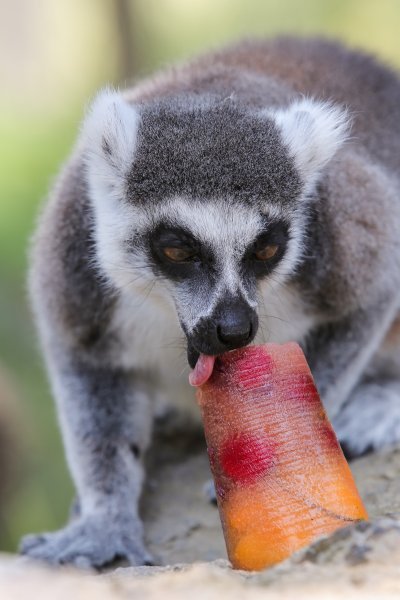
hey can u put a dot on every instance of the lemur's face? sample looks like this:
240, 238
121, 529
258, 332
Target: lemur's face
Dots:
207, 199
213, 254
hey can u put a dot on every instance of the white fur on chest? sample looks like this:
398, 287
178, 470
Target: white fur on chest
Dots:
283, 316
151, 337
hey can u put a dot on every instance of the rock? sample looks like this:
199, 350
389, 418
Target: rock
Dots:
183, 528
359, 562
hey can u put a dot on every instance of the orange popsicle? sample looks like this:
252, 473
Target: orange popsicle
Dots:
280, 475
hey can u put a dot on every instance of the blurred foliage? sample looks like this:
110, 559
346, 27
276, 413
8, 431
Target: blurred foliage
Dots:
53, 56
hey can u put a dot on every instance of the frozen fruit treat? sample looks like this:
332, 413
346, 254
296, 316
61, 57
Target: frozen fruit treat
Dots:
280, 474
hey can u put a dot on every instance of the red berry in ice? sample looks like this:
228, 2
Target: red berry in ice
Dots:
244, 457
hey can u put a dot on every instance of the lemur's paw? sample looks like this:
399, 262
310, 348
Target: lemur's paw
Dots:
370, 420
90, 542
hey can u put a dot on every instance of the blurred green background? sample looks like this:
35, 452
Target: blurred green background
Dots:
54, 54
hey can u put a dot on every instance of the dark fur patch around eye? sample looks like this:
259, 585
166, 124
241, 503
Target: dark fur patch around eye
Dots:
173, 236
201, 261
275, 234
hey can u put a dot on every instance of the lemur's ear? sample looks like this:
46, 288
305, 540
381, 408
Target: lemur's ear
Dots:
313, 131
109, 137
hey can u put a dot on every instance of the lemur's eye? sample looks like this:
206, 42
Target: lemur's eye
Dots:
179, 254
267, 252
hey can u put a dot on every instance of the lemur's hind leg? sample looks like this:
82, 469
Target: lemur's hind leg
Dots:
370, 419
106, 421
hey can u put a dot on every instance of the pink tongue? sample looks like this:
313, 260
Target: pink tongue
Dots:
202, 371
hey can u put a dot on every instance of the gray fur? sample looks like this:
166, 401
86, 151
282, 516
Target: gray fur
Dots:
223, 148
214, 160
377, 401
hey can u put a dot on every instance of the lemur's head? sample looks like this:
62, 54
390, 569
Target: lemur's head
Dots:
208, 197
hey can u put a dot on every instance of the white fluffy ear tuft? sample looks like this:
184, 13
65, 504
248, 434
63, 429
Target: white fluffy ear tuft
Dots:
313, 131
109, 136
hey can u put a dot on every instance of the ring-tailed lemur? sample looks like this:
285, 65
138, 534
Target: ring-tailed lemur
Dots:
221, 202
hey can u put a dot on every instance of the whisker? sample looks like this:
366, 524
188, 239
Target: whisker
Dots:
185, 368
180, 344
151, 285
264, 339
268, 316
132, 281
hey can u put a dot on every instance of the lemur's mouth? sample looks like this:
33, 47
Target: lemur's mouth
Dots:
203, 365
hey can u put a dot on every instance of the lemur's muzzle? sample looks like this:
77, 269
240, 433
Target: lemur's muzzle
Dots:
232, 324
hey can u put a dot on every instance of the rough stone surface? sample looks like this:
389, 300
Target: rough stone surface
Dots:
182, 528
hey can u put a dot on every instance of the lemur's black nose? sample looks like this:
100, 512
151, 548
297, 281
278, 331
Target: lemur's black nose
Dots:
235, 323
234, 328
232, 324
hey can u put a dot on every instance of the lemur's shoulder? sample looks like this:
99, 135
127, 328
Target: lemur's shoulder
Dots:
67, 288
352, 243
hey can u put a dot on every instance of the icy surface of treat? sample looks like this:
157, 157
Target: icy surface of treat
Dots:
280, 474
